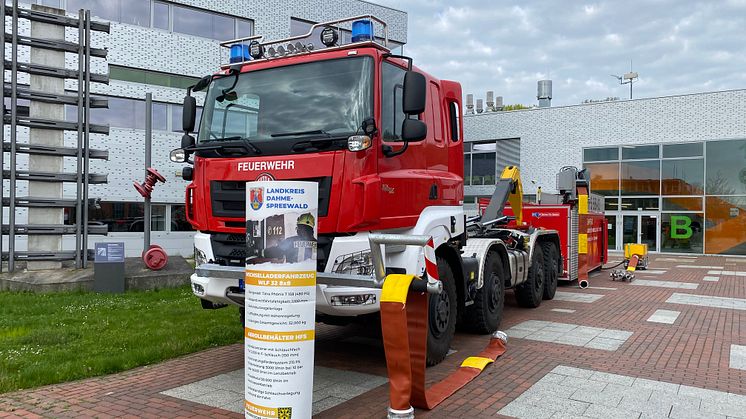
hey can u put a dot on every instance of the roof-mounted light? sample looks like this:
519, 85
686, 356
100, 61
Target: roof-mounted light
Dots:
256, 50
329, 36
239, 53
362, 30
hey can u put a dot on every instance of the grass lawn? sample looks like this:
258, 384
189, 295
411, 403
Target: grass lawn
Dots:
52, 338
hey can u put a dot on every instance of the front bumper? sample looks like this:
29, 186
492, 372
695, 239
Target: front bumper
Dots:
220, 284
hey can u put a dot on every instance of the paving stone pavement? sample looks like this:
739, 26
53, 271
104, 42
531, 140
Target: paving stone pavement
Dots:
708, 301
577, 297
330, 388
737, 357
664, 316
664, 284
570, 334
665, 366
581, 393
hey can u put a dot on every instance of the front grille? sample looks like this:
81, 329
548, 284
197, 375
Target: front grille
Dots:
229, 249
228, 198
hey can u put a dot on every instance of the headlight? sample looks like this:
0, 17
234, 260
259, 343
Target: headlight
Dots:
178, 155
199, 257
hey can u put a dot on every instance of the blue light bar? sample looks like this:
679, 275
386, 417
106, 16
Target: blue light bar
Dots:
239, 53
362, 30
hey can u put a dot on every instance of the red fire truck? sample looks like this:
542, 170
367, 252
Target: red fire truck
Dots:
384, 142
577, 216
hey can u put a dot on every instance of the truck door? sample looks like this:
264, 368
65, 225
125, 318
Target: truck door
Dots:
405, 179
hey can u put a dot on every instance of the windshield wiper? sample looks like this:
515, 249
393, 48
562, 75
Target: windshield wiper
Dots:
300, 133
317, 144
245, 144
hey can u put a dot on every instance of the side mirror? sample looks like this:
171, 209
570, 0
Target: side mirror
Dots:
415, 93
413, 130
189, 113
202, 83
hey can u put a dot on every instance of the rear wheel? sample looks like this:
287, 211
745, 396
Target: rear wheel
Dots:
485, 315
442, 316
529, 293
549, 250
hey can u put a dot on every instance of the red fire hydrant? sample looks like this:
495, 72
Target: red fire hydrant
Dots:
155, 257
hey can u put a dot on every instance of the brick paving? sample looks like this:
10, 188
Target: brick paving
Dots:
694, 352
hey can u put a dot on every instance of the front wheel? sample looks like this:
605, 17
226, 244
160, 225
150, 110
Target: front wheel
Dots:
442, 316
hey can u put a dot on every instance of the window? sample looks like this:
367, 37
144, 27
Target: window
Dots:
133, 12
641, 177
604, 178
160, 15
178, 219
455, 120
483, 166
726, 224
204, 24
167, 16
392, 116
601, 154
682, 233
637, 204
682, 150
150, 77
683, 203
640, 152
726, 167
683, 177
130, 113
118, 216
158, 217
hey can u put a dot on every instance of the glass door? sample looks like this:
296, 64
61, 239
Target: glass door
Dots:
611, 229
640, 228
649, 231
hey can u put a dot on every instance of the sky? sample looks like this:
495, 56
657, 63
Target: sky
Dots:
675, 46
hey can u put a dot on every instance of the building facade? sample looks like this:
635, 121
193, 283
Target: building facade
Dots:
672, 170
161, 47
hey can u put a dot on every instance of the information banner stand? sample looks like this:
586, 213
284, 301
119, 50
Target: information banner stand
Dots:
280, 302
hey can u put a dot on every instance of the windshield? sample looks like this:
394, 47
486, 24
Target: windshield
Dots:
323, 98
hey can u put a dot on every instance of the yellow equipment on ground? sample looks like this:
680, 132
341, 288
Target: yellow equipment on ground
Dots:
635, 257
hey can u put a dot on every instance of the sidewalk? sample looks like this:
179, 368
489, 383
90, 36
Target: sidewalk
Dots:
645, 349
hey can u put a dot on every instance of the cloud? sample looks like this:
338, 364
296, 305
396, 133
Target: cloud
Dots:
676, 47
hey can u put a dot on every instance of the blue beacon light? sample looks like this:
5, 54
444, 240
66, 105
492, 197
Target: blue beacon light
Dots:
362, 30
239, 53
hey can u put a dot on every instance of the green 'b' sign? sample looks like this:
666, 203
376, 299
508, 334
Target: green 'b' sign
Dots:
680, 227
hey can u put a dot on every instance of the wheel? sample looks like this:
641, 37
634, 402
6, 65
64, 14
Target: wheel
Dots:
529, 293
549, 250
442, 316
485, 315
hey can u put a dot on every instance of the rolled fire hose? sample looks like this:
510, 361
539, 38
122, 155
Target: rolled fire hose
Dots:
404, 322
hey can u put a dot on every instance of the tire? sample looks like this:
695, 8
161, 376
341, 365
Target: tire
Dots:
486, 314
529, 293
442, 312
549, 249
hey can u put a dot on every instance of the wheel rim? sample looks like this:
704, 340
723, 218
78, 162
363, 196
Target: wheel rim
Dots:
440, 314
539, 283
494, 299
